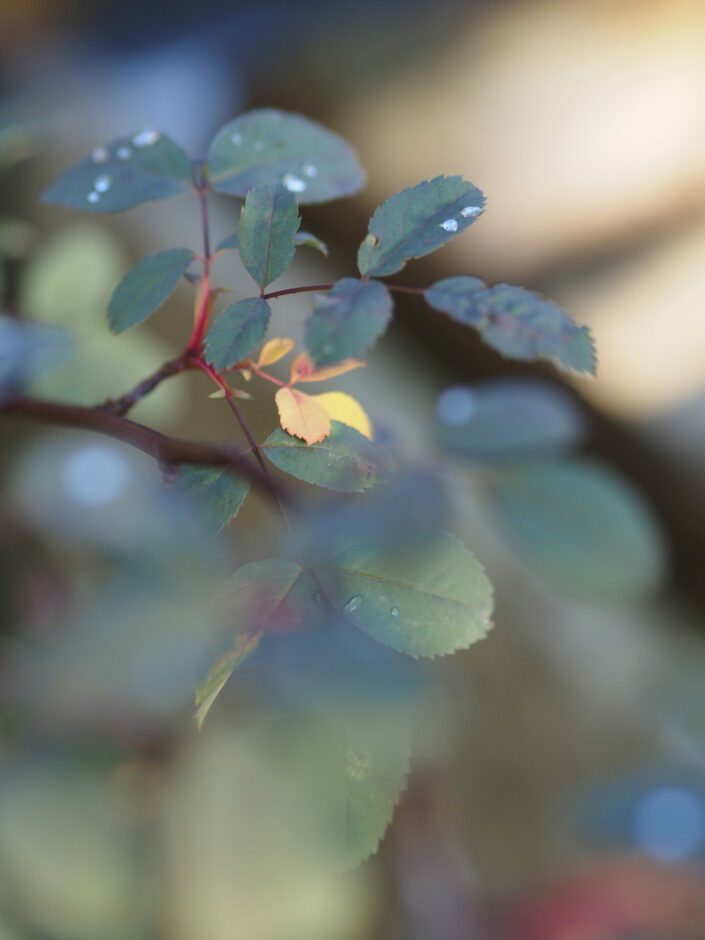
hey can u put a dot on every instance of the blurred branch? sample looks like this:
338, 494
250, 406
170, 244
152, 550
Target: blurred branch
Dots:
167, 451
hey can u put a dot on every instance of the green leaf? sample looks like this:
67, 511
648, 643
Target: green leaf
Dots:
126, 172
306, 238
268, 222
212, 685
508, 419
428, 600
416, 221
238, 330
345, 461
515, 321
146, 286
228, 244
582, 528
347, 320
216, 491
270, 595
265, 147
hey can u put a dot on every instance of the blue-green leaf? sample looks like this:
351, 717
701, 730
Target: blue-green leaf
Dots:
268, 222
347, 320
306, 238
265, 147
237, 332
582, 528
126, 172
228, 244
146, 286
508, 419
211, 687
416, 221
515, 321
215, 491
427, 600
345, 461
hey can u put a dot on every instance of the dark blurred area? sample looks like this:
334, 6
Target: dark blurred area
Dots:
558, 785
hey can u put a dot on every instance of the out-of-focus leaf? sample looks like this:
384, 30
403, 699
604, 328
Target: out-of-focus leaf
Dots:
582, 528
346, 409
265, 147
237, 332
300, 415
347, 320
216, 492
268, 222
416, 221
429, 600
306, 238
345, 461
303, 369
508, 419
126, 172
228, 244
146, 286
26, 350
515, 321
274, 350
211, 687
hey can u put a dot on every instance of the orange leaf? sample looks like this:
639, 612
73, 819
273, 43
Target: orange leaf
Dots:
303, 369
300, 415
273, 350
346, 409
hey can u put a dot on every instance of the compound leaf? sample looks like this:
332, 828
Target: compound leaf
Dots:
428, 600
515, 321
345, 461
238, 330
146, 286
126, 172
268, 222
300, 415
416, 221
265, 147
347, 320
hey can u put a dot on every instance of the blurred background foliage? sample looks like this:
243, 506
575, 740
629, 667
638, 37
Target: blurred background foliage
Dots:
558, 786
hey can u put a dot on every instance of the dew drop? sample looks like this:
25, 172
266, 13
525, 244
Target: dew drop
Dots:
450, 225
259, 146
470, 212
93, 197
102, 184
124, 153
100, 155
293, 183
237, 139
310, 170
353, 604
146, 137
395, 611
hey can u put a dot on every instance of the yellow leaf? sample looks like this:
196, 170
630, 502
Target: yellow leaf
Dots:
300, 415
346, 409
303, 369
273, 350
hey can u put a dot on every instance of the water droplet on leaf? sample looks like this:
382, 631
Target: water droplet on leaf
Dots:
353, 604
450, 225
102, 184
395, 611
456, 405
146, 137
469, 212
293, 183
100, 155
93, 197
124, 153
310, 170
